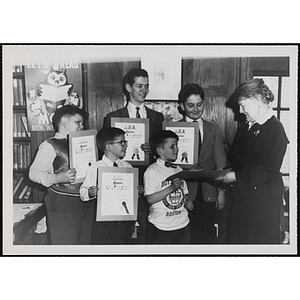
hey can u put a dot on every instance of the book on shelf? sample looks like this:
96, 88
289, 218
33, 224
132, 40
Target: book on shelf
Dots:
25, 125
15, 133
15, 156
16, 177
23, 194
27, 194
20, 125
21, 189
17, 69
21, 156
15, 91
18, 183
18, 94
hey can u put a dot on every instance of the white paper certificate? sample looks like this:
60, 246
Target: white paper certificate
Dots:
82, 152
117, 189
136, 133
188, 141
117, 196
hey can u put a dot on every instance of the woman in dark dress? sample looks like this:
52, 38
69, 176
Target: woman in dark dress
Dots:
256, 186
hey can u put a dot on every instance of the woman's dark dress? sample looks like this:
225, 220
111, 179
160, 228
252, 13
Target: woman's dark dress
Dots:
256, 157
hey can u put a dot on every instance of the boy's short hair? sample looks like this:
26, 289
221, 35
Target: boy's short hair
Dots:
130, 79
158, 139
107, 135
67, 110
188, 90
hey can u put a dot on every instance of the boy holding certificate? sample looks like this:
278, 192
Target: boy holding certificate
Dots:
209, 195
69, 219
112, 142
168, 216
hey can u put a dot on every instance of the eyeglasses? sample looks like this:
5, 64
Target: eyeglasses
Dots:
122, 143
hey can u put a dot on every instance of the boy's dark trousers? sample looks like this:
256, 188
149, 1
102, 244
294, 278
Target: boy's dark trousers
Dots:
179, 236
69, 219
111, 232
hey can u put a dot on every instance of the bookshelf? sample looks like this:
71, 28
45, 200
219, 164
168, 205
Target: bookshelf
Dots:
22, 187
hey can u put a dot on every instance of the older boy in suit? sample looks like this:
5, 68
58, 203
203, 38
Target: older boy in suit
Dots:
136, 88
209, 197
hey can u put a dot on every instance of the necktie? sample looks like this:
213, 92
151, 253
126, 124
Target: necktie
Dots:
115, 164
200, 142
138, 112
169, 165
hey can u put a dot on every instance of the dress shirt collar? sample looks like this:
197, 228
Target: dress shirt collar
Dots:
108, 162
200, 121
59, 136
132, 110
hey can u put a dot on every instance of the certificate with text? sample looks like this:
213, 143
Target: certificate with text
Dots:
83, 152
117, 195
136, 133
188, 134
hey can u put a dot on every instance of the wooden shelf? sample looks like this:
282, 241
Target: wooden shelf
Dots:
19, 108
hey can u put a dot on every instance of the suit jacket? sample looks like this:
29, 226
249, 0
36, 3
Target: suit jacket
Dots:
212, 156
155, 118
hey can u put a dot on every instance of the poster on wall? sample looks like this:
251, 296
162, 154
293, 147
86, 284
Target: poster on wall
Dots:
49, 87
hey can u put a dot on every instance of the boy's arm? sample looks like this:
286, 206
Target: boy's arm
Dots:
90, 181
41, 170
158, 196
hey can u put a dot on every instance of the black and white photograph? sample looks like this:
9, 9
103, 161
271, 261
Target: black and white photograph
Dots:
243, 100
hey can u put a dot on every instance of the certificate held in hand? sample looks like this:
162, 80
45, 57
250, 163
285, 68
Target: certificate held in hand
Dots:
199, 174
82, 151
117, 194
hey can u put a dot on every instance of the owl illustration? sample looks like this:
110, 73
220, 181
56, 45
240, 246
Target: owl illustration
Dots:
55, 79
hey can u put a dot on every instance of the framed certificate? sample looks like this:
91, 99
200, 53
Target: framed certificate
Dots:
117, 195
188, 144
82, 151
136, 133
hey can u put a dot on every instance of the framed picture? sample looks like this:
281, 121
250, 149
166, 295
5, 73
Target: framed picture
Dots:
188, 144
164, 75
118, 194
136, 133
83, 151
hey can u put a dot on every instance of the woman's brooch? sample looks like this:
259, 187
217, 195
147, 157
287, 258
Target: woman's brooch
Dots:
257, 132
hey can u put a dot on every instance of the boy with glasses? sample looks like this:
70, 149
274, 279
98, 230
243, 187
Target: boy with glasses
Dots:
112, 142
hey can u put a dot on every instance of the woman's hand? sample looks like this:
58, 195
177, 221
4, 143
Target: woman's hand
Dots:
228, 178
220, 203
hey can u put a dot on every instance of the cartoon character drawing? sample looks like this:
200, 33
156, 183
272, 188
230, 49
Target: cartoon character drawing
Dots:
55, 78
37, 107
74, 99
184, 157
135, 152
52, 94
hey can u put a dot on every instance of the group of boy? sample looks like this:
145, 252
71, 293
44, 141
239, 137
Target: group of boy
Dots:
166, 214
